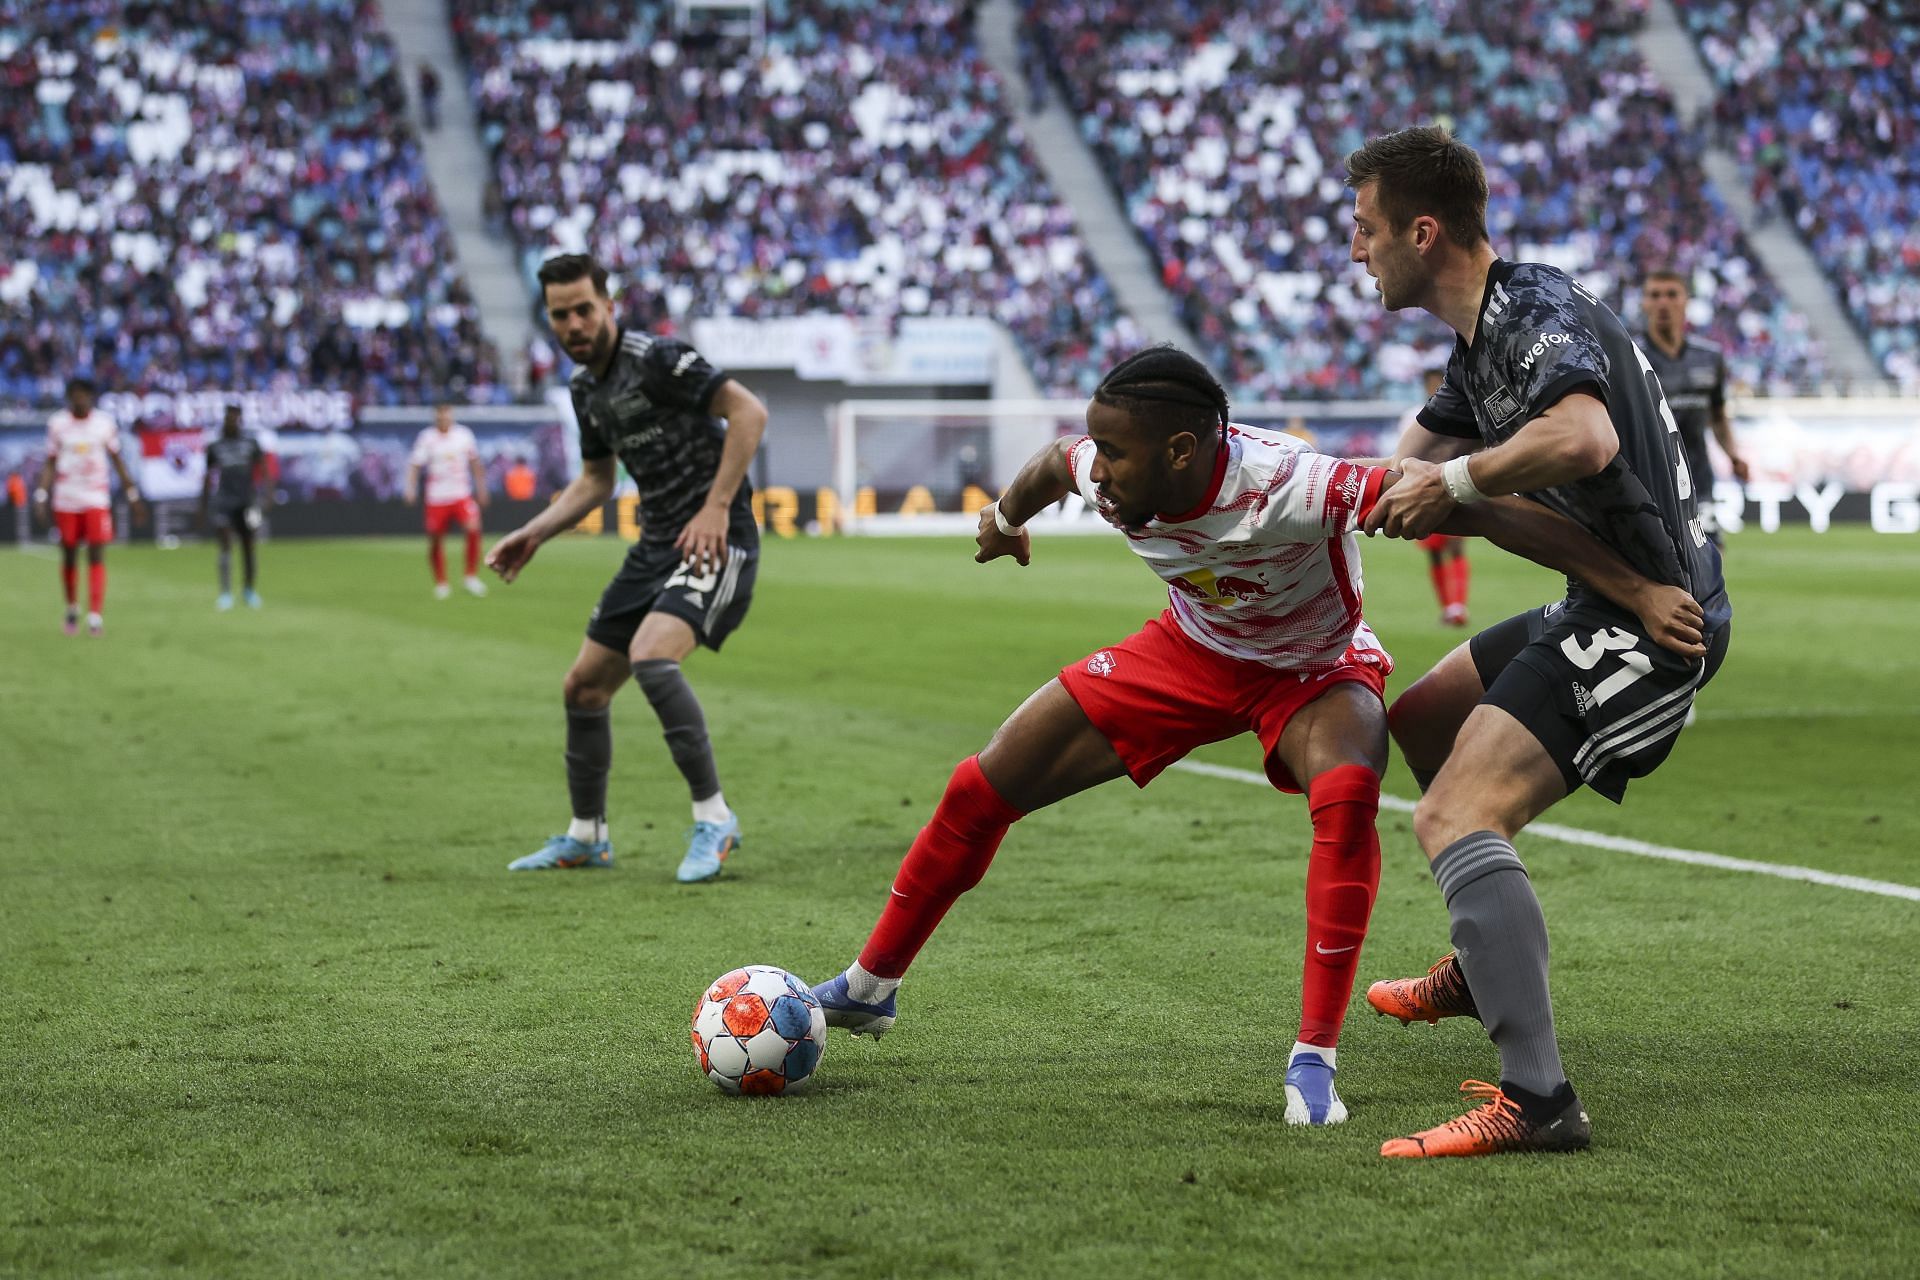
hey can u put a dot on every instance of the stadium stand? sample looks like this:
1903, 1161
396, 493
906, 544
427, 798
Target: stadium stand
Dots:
1821, 101
206, 194
862, 162
1224, 134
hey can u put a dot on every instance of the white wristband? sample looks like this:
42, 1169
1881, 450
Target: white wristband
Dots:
1459, 482
1000, 522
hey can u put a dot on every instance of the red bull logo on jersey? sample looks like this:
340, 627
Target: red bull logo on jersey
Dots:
1232, 590
1227, 592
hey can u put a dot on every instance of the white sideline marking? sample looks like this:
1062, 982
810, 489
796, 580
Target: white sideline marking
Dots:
1621, 844
1810, 713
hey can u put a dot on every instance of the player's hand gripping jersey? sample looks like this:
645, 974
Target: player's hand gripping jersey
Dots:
1266, 568
1540, 338
447, 460
81, 471
1605, 702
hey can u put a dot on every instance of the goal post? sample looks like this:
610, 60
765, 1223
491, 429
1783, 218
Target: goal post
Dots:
928, 466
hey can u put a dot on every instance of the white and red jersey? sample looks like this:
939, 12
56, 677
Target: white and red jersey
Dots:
80, 448
1266, 568
447, 459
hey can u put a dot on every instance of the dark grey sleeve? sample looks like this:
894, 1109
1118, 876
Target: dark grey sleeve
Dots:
1449, 413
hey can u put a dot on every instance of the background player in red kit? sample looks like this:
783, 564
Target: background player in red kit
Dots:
1263, 633
456, 493
1446, 552
83, 445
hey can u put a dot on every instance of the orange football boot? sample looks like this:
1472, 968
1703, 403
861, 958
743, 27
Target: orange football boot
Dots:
1441, 994
1495, 1127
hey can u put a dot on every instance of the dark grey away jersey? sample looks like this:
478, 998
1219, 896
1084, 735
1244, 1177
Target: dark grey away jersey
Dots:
1695, 382
651, 412
232, 464
1540, 337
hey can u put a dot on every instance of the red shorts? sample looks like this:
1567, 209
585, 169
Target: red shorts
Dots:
1439, 541
1157, 695
94, 525
465, 512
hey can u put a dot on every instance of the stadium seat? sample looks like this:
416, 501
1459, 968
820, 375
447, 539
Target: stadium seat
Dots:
1224, 133
222, 195
1819, 101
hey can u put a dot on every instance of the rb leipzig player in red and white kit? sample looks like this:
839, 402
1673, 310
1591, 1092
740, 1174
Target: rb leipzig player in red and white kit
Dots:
456, 493
83, 448
1254, 534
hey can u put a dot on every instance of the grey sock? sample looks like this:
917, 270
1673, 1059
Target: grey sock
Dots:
682, 721
1501, 940
226, 572
589, 756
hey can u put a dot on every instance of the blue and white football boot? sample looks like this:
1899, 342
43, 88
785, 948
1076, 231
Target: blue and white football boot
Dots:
858, 1018
1310, 1095
564, 853
707, 848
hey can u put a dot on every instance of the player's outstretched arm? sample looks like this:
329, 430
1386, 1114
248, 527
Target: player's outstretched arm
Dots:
1672, 617
1428, 446
590, 489
1570, 441
1045, 480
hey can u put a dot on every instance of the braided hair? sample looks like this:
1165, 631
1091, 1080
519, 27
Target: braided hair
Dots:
1167, 387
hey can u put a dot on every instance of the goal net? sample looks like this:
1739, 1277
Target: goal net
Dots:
929, 466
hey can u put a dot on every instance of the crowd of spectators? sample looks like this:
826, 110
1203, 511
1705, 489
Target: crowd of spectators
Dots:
1821, 100
1224, 129
221, 193
858, 160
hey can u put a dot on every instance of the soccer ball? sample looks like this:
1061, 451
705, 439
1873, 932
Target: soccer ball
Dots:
758, 1030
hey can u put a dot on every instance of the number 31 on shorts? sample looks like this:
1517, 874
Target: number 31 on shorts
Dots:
1633, 663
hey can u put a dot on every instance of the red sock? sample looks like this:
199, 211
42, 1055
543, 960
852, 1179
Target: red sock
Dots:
1457, 588
1442, 581
948, 858
473, 552
96, 586
1343, 872
437, 557
70, 578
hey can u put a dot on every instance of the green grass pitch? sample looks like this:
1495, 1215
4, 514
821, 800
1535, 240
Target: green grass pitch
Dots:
272, 1006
